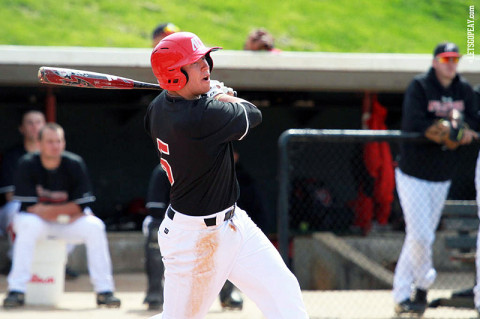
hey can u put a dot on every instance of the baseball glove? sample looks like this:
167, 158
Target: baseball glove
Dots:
448, 131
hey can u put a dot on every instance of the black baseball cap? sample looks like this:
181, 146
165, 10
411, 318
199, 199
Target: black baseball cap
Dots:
164, 29
446, 49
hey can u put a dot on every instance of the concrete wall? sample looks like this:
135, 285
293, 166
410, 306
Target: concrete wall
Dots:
328, 262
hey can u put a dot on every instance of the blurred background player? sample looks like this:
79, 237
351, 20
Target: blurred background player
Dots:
54, 190
156, 204
31, 123
424, 175
161, 31
260, 40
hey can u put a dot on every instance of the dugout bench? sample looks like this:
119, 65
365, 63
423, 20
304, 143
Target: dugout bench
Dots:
461, 217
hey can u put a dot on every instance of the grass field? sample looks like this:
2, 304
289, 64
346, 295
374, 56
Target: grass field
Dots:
406, 26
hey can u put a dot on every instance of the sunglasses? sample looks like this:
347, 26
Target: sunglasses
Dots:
445, 59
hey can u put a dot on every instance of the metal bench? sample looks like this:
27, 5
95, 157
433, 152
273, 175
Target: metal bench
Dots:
461, 216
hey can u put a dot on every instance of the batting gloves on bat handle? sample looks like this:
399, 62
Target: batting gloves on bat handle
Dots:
217, 87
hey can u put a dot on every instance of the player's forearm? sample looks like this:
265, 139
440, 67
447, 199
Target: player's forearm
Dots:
9, 196
52, 211
69, 208
228, 98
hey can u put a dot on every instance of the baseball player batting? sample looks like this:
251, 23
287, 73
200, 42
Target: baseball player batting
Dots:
205, 238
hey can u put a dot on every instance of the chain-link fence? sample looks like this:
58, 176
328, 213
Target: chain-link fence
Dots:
340, 223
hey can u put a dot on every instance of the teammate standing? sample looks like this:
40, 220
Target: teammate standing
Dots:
425, 170
204, 238
54, 190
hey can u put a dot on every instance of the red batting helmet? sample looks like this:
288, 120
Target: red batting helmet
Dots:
174, 52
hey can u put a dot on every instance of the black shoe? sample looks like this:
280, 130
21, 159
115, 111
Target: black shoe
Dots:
155, 305
409, 307
154, 301
14, 299
108, 300
70, 274
419, 296
233, 301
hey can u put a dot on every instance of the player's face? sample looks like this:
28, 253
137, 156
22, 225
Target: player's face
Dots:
198, 79
31, 124
52, 143
446, 68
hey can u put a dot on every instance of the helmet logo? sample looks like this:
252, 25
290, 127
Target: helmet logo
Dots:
196, 43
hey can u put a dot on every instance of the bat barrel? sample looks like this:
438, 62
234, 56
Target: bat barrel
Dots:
87, 79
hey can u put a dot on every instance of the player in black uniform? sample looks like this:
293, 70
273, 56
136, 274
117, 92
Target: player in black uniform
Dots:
54, 191
204, 238
425, 171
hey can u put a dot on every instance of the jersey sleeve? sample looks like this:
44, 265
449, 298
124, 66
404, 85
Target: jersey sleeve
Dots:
229, 121
158, 196
81, 191
24, 182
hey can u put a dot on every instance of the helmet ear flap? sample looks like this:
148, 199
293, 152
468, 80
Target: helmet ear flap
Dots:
209, 61
186, 76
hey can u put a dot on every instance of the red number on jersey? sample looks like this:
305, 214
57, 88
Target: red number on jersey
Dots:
163, 148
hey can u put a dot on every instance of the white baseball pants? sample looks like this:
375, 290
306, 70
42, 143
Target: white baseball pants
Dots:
199, 259
422, 203
88, 229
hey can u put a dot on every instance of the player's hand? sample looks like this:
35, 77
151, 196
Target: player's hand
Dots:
217, 87
468, 136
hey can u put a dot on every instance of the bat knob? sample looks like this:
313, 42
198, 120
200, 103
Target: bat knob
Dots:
40, 74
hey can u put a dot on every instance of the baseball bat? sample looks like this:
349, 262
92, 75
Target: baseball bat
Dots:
87, 79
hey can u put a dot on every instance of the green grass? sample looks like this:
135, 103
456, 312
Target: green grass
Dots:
404, 26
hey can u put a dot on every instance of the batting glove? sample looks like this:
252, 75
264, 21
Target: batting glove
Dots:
217, 87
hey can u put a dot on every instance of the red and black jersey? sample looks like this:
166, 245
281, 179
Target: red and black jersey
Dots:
426, 101
69, 182
193, 139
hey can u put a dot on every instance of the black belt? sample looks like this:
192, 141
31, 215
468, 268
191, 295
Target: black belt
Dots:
212, 221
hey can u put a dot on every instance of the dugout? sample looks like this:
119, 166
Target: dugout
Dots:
294, 90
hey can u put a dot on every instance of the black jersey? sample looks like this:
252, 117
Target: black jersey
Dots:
9, 165
426, 100
158, 196
193, 138
67, 183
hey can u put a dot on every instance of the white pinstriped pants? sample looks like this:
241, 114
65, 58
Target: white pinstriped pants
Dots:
422, 203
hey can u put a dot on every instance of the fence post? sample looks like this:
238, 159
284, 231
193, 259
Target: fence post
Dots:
283, 184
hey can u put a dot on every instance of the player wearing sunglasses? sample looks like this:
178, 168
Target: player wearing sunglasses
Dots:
435, 104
